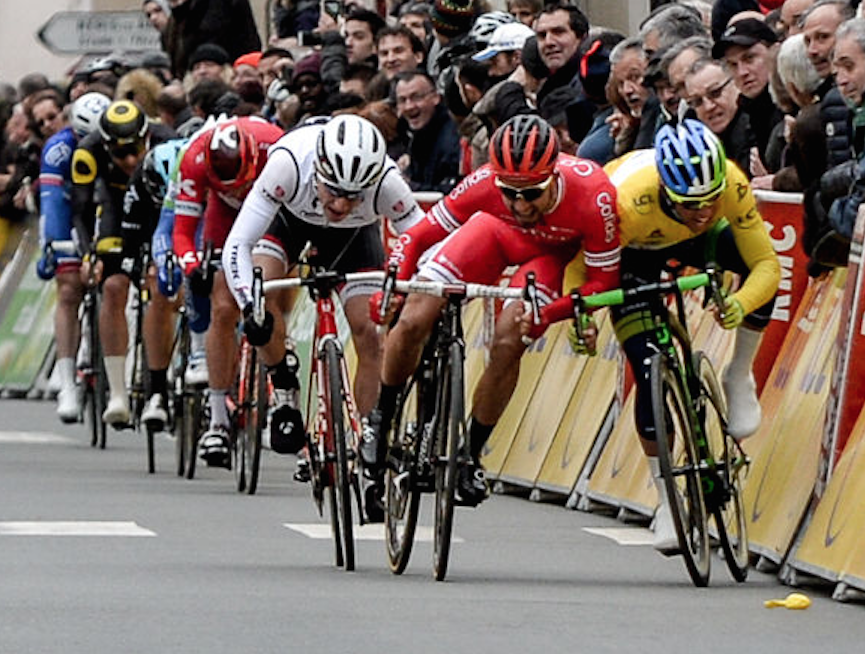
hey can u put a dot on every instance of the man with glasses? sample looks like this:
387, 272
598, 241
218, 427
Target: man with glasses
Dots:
328, 183
101, 167
684, 201
530, 207
711, 93
434, 145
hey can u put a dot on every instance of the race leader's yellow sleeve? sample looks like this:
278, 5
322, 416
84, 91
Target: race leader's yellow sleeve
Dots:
644, 225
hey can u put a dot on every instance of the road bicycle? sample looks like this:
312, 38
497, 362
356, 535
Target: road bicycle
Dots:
138, 373
703, 467
91, 368
428, 442
333, 425
250, 413
188, 402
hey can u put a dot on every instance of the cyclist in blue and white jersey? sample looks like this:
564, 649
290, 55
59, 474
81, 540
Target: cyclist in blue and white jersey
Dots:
55, 224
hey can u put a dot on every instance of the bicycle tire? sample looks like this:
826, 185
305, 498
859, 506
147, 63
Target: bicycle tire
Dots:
402, 494
100, 384
677, 457
342, 478
196, 420
256, 418
725, 498
178, 411
451, 435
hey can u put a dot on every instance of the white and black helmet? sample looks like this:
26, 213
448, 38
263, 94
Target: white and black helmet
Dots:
86, 111
486, 24
350, 153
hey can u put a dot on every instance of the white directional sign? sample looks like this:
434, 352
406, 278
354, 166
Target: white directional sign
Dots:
78, 32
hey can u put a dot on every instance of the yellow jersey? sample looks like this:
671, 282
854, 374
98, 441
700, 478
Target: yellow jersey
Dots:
645, 225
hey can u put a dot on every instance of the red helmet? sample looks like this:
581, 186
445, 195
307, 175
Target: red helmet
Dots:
231, 156
524, 150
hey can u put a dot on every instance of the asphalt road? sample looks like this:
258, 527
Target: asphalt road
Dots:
98, 556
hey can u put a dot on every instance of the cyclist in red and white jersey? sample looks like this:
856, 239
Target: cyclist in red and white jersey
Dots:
328, 183
532, 207
216, 174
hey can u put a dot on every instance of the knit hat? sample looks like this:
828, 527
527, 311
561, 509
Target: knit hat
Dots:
309, 65
452, 17
531, 59
209, 52
595, 69
249, 59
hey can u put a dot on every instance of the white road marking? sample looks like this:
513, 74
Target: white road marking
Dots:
73, 528
623, 535
366, 532
33, 438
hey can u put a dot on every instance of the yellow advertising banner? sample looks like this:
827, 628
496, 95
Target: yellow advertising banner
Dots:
785, 460
621, 476
579, 425
476, 347
531, 368
544, 413
834, 536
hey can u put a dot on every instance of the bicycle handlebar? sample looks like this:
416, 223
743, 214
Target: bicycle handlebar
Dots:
316, 277
468, 291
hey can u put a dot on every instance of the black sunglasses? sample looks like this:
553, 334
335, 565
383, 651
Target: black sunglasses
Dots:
129, 149
527, 193
337, 192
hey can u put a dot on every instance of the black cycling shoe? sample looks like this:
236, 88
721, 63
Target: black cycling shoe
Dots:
373, 501
370, 444
287, 434
302, 472
472, 488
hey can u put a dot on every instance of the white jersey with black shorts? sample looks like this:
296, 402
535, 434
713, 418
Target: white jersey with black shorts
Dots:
283, 211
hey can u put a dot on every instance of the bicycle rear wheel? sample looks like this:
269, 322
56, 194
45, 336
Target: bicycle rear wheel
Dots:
725, 497
679, 463
402, 494
100, 381
341, 509
195, 420
451, 435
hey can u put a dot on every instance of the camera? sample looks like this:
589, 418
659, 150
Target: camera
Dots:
308, 38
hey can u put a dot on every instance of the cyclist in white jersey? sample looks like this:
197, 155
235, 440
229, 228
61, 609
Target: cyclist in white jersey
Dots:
328, 183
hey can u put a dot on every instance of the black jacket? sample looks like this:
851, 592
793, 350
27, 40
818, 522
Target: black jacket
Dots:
228, 23
435, 154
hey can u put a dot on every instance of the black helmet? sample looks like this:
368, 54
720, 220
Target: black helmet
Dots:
123, 123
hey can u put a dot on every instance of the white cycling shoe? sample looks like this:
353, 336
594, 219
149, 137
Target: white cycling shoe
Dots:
743, 406
196, 370
69, 404
665, 539
117, 411
154, 415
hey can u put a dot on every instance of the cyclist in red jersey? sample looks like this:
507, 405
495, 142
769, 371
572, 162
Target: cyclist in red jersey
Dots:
216, 174
532, 207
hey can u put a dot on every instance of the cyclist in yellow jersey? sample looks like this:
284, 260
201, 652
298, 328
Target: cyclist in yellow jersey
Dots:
684, 201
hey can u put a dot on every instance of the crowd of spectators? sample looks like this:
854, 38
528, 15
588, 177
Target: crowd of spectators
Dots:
437, 78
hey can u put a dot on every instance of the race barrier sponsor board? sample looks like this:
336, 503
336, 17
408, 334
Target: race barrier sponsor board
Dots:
575, 431
783, 216
786, 449
27, 330
832, 540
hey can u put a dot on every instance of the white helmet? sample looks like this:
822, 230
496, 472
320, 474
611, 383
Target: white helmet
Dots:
350, 153
86, 111
486, 24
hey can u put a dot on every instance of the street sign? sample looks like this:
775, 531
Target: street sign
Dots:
77, 32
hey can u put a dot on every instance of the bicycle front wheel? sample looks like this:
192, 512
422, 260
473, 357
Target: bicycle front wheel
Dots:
341, 508
679, 463
402, 494
451, 435
725, 496
256, 418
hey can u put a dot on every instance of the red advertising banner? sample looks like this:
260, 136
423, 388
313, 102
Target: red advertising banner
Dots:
782, 213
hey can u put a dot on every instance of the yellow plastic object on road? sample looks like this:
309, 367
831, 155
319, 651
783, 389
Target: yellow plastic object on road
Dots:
796, 601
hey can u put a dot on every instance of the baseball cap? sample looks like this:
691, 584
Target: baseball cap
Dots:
506, 38
746, 32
